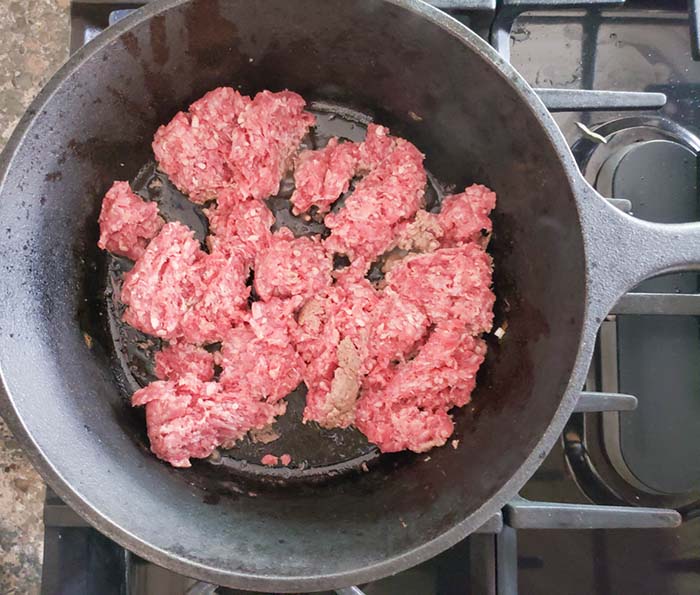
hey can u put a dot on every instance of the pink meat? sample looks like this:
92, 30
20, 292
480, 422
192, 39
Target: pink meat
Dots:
189, 418
222, 299
240, 225
321, 176
176, 290
164, 282
396, 330
285, 459
269, 460
127, 222
451, 284
377, 145
252, 364
331, 338
389, 194
269, 132
179, 359
194, 148
465, 217
406, 407
292, 266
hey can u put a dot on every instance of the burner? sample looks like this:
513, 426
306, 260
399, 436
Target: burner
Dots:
648, 455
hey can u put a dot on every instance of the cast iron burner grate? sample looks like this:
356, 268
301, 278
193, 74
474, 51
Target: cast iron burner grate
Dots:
79, 560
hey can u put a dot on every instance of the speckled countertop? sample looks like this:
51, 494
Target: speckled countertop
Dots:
33, 44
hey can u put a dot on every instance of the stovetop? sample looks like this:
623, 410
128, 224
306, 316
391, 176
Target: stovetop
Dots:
599, 516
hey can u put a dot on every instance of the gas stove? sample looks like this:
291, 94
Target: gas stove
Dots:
603, 513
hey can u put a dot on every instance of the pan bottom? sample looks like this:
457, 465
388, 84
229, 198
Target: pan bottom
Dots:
316, 453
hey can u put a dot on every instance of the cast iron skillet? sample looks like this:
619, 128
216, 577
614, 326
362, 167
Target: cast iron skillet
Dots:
562, 258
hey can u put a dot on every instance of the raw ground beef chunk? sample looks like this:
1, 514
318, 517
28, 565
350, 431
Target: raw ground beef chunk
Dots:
189, 418
176, 290
259, 358
331, 337
390, 193
194, 148
451, 284
292, 266
240, 225
406, 408
228, 140
321, 176
221, 302
127, 222
163, 284
179, 359
465, 217
268, 133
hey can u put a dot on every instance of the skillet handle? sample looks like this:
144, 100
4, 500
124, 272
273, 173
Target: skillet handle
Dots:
622, 251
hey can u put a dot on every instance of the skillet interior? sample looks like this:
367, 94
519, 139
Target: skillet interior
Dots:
371, 56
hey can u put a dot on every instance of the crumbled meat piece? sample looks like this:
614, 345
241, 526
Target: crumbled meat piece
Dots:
331, 338
239, 225
178, 359
274, 320
407, 407
222, 299
189, 418
127, 222
292, 267
389, 194
176, 290
253, 365
396, 329
451, 284
321, 176
269, 132
465, 217
377, 145
194, 148
164, 282
269, 460
422, 234
285, 459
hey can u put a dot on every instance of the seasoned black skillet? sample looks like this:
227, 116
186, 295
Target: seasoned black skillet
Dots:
562, 256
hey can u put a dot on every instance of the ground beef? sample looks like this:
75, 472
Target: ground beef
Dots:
194, 149
321, 176
451, 284
396, 330
240, 225
422, 234
176, 290
405, 407
189, 418
127, 222
465, 217
228, 140
221, 301
270, 460
331, 338
179, 359
392, 359
292, 266
390, 193
164, 282
268, 134
268, 369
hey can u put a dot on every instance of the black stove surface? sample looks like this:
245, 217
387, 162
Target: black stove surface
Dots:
610, 463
